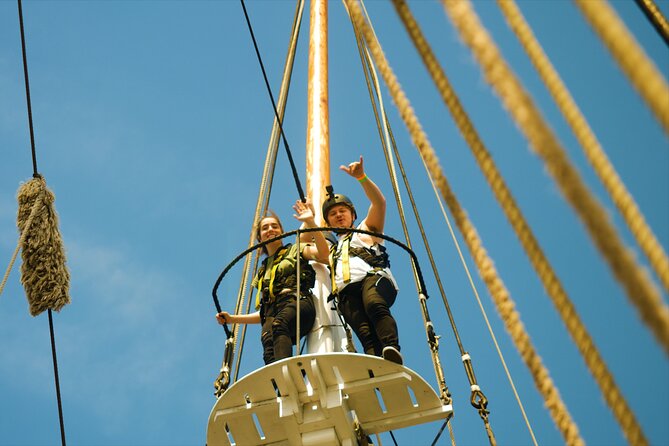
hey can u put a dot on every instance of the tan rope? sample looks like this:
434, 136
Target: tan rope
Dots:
480, 304
498, 291
554, 288
630, 56
585, 136
22, 238
264, 190
450, 431
634, 278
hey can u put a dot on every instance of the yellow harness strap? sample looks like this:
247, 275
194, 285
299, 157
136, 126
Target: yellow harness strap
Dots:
345, 267
270, 273
344, 257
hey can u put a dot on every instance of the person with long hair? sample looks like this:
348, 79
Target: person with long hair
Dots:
276, 280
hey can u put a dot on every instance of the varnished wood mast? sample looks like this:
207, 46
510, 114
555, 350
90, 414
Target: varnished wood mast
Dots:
318, 117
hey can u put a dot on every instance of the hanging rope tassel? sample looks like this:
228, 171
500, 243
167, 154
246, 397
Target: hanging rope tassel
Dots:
43, 272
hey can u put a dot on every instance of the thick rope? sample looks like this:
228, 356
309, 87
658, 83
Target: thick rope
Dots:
26, 228
585, 136
655, 17
264, 191
634, 278
384, 137
480, 304
498, 291
550, 281
640, 70
44, 274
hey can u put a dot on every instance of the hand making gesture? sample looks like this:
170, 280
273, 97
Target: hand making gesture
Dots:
355, 169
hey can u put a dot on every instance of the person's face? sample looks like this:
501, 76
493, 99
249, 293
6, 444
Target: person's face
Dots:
269, 228
340, 216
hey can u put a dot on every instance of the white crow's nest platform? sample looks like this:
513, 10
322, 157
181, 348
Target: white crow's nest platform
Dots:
322, 399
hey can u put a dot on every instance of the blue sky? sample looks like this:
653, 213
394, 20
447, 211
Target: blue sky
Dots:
152, 121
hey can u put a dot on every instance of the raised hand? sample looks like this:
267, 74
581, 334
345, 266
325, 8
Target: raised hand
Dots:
305, 211
355, 169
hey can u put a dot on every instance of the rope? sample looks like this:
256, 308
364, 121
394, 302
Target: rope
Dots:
593, 151
468, 130
640, 289
33, 213
558, 295
487, 270
276, 113
480, 304
450, 431
630, 56
265, 189
368, 70
24, 234
655, 17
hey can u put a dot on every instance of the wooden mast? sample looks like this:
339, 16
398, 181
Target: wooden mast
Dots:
329, 334
318, 119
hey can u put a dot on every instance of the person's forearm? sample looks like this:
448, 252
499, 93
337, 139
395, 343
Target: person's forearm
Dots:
322, 249
372, 192
252, 318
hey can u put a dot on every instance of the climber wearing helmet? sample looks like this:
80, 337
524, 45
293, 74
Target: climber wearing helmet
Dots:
360, 270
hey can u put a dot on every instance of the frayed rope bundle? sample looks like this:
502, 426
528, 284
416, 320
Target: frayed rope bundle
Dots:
43, 273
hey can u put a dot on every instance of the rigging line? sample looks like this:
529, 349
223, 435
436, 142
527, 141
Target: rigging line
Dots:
630, 56
477, 399
483, 311
594, 152
36, 175
267, 180
436, 438
633, 277
390, 136
450, 431
55, 370
544, 270
432, 339
28, 102
655, 17
497, 289
393, 437
276, 113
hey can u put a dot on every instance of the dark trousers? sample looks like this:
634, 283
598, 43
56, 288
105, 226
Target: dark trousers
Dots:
279, 325
365, 306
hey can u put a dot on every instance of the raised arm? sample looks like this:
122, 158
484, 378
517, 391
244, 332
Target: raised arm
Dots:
376, 215
305, 214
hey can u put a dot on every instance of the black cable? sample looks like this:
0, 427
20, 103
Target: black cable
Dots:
393, 437
25, 75
276, 113
421, 282
655, 17
36, 175
434, 442
55, 373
